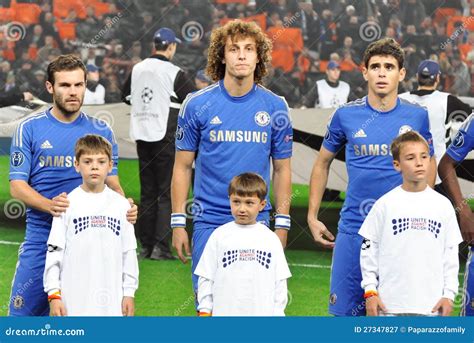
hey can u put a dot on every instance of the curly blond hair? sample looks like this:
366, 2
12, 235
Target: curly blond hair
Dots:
237, 29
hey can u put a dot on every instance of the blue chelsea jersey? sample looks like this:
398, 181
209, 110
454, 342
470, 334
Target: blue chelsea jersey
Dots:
463, 143
367, 135
42, 154
231, 135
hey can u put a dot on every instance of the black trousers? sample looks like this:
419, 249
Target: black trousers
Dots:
156, 160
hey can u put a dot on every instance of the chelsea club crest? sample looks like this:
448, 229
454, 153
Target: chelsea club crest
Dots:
262, 118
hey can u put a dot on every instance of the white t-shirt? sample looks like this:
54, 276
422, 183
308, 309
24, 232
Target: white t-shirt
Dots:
417, 237
95, 236
245, 264
95, 98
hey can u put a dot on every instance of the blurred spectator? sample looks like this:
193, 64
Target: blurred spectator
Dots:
25, 77
38, 87
412, 12
201, 80
13, 97
95, 92
462, 78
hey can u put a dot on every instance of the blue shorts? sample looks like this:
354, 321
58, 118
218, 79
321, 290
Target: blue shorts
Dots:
200, 238
27, 296
347, 296
468, 286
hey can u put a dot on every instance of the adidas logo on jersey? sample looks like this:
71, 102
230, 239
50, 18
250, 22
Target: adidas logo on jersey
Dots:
216, 121
46, 145
360, 134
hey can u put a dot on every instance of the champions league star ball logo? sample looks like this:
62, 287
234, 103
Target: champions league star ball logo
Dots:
262, 118
147, 95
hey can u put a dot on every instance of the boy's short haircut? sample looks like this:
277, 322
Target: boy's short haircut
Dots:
93, 144
407, 137
248, 184
385, 47
65, 63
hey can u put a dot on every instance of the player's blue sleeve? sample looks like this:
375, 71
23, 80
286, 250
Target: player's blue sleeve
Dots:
335, 138
21, 153
188, 132
463, 143
282, 132
425, 132
115, 156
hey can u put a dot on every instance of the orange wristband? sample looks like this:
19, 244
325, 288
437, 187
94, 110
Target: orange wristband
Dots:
369, 294
204, 314
55, 295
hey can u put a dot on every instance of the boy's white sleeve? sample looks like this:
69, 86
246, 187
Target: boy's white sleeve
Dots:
281, 297
130, 273
54, 256
204, 295
369, 252
451, 258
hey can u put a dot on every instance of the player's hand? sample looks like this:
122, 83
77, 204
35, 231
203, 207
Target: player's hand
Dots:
466, 222
180, 241
132, 213
320, 233
372, 306
59, 204
444, 307
57, 308
27, 96
128, 306
282, 235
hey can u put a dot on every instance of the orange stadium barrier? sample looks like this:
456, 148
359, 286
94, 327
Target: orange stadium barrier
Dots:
62, 8
6, 14
286, 36
468, 23
101, 8
245, 2
443, 14
66, 30
283, 57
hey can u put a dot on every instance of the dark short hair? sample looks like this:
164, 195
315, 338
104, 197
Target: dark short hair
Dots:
385, 47
407, 137
92, 144
65, 63
159, 46
248, 184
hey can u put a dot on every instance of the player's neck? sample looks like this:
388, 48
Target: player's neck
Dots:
382, 104
93, 188
412, 186
238, 87
62, 117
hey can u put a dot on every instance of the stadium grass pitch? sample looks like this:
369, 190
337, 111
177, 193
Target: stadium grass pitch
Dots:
165, 286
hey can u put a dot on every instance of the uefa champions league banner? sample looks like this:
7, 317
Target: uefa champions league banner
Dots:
309, 129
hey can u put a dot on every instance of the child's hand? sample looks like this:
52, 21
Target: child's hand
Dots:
128, 307
373, 304
57, 308
444, 307
132, 213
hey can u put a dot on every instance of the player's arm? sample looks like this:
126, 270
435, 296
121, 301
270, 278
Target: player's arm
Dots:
318, 182
447, 173
432, 172
180, 183
282, 192
22, 191
113, 183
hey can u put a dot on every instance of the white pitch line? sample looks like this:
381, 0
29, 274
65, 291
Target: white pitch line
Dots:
9, 243
321, 266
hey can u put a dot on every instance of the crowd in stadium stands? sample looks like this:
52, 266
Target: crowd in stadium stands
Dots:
116, 34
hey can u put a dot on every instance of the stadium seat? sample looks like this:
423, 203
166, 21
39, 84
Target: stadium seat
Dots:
286, 36
467, 22
6, 14
66, 30
283, 57
26, 13
101, 8
245, 2
62, 8
443, 14
260, 19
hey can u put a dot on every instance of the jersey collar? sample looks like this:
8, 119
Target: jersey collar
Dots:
242, 98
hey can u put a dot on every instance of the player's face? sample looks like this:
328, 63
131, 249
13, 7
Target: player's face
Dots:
68, 90
94, 169
245, 209
383, 75
414, 162
240, 57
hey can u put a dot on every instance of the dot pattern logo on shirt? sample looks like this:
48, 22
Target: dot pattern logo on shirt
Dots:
264, 258
418, 224
229, 258
87, 222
